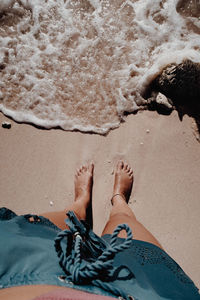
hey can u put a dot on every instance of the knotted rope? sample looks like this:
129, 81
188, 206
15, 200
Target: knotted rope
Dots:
88, 258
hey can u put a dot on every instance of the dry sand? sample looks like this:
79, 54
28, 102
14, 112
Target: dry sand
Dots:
37, 168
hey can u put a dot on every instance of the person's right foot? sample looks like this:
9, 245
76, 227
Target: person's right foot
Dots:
123, 182
83, 192
83, 184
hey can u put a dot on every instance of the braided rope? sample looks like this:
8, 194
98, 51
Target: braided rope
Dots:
80, 271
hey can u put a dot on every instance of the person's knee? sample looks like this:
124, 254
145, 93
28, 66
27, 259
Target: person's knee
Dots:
123, 217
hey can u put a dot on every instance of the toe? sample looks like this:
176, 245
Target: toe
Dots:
126, 166
91, 167
120, 165
83, 169
78, 171
131, 173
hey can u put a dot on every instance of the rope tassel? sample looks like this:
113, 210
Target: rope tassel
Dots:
87, 258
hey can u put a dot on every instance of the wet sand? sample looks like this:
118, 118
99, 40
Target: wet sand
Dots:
38, 166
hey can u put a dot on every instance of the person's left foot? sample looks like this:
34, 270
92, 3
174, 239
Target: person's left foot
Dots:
83, 184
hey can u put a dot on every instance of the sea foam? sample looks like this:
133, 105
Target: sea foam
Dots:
81, 64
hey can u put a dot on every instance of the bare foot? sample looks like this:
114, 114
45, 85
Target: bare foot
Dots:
123, 182
83, 184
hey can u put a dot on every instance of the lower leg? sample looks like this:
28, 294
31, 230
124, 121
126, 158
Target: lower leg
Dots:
83, 196
121, 212
125, 215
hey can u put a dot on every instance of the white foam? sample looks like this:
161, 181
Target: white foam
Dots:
80, 64
5, 4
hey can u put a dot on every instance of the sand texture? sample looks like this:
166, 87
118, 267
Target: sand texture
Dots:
38, 166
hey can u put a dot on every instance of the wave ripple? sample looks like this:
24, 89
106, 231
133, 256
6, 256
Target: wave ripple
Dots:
81, 64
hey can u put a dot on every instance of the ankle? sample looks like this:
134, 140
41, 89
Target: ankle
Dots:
84, 198
117, 197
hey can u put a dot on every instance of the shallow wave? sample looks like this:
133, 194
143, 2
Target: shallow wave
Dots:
82, 64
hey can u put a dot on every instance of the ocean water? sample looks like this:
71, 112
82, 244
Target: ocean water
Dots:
82, 64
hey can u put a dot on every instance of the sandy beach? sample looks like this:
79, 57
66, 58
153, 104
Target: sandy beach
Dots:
38, 166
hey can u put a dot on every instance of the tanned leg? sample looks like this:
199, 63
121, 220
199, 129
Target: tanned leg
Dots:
83, 198
121, 212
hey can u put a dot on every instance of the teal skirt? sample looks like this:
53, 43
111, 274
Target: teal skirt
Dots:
30, 255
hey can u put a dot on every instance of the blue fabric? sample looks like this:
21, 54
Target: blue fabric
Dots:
87, 258
28, 256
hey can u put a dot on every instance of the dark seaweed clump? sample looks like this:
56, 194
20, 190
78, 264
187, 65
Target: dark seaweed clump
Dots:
180, 83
